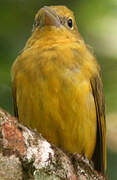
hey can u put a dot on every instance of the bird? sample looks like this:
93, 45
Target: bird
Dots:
57, 87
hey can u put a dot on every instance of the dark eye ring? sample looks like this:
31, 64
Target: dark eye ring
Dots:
70, 23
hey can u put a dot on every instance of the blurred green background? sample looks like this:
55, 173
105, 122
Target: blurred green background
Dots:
97, 23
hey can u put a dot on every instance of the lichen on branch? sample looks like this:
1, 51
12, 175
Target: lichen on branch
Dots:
25, 154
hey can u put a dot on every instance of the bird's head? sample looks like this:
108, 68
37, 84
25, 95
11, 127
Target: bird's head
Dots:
59, 17
54, 24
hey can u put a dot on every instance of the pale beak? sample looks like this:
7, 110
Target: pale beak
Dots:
50, 17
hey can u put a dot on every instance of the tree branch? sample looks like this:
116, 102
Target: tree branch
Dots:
25, 154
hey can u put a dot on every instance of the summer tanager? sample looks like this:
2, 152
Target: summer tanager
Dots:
57, 87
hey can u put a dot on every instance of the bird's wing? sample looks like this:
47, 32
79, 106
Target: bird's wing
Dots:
99, 156
14, 99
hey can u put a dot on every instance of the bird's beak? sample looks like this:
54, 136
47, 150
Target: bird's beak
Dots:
50, 17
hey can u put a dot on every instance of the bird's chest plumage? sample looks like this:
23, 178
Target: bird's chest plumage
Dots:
54, 96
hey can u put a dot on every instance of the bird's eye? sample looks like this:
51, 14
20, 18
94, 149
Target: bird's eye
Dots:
38, 21
70, 23
34, 25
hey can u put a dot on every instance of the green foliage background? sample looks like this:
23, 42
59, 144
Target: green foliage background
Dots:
96, 21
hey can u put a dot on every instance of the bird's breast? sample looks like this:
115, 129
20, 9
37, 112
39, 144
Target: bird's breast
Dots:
54, 96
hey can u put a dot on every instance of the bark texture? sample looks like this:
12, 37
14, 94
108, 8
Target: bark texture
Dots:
26, 155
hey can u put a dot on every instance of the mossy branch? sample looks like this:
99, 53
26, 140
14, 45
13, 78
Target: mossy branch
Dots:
25, 154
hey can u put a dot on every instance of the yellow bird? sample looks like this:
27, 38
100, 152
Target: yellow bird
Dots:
57, 87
